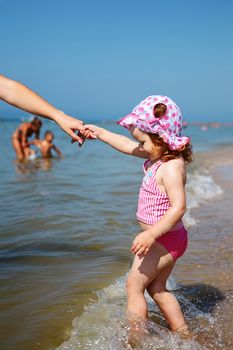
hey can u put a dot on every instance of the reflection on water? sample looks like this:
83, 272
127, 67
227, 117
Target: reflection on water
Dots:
31, 166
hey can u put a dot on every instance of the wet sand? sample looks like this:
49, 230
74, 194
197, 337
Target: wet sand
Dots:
212, 237
209, 260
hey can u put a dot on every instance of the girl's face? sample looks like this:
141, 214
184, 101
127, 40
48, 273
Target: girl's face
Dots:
154, 151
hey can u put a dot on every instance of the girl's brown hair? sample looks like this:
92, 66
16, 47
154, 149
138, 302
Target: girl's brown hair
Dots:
185, 151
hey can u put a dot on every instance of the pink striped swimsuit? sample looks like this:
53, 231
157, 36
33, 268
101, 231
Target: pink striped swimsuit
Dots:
152, 205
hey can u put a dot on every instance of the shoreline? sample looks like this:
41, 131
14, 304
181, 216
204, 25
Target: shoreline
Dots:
206, 268
211, 213
217, 156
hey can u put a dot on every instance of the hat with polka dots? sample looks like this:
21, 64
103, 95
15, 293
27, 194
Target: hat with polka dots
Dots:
168, 126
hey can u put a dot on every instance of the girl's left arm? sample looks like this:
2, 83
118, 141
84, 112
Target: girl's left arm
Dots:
174, 177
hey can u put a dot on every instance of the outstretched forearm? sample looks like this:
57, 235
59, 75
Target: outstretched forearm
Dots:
119, 142
22, 97
18, 95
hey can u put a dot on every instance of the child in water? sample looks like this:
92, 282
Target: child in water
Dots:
156, 125
46, 145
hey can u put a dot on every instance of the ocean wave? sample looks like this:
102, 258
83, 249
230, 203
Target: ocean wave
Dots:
200, 188
103, 324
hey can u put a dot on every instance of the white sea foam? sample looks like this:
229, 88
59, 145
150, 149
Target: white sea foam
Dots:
103, 325
199, 189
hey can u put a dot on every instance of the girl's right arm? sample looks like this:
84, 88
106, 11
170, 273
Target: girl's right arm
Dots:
119, 142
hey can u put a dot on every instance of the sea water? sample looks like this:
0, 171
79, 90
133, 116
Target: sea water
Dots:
66, 229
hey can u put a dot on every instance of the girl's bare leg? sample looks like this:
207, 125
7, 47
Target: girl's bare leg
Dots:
143, 272
167, 302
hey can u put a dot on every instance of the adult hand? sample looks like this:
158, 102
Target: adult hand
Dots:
70, 125
89, 132
142, 243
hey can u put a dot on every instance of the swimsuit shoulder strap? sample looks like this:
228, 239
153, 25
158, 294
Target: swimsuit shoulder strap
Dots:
146, 164
156, 165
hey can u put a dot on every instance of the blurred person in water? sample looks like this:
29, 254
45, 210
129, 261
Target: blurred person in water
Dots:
46, 145
19, 95
20, 137
156, 125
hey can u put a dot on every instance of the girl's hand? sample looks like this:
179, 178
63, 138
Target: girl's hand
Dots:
142, 243
91, 131
87, 132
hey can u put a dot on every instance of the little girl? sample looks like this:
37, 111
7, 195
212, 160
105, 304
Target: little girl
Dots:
156, 126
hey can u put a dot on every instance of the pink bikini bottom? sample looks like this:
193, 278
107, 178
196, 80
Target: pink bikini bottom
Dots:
175, 242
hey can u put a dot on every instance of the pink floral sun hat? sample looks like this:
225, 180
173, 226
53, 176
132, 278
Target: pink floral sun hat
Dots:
168, 126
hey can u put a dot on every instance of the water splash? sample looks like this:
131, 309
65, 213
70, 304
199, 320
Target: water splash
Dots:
103, 324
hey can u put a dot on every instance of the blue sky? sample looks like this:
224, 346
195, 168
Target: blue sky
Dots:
97, 59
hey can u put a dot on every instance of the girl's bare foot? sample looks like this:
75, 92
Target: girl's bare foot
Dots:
183, 332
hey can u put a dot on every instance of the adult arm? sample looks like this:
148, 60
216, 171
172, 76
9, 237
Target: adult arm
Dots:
37, 134
22, 131
19, 95
24, 139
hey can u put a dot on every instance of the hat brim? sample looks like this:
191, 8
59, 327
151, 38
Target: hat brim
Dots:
174, 142
128, 120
